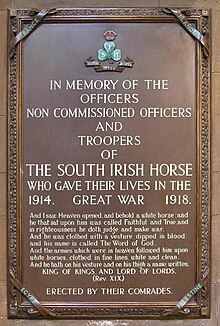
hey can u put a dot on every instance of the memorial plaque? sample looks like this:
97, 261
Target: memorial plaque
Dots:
108, 163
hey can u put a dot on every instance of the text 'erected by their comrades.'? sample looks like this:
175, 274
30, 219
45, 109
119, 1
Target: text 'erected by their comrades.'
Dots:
90, 238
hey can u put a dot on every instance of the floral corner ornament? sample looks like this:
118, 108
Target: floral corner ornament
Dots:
109, 53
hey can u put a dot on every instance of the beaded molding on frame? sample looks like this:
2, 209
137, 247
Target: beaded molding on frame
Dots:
18, 311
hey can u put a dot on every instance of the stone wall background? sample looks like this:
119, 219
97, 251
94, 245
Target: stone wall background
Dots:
214, 6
